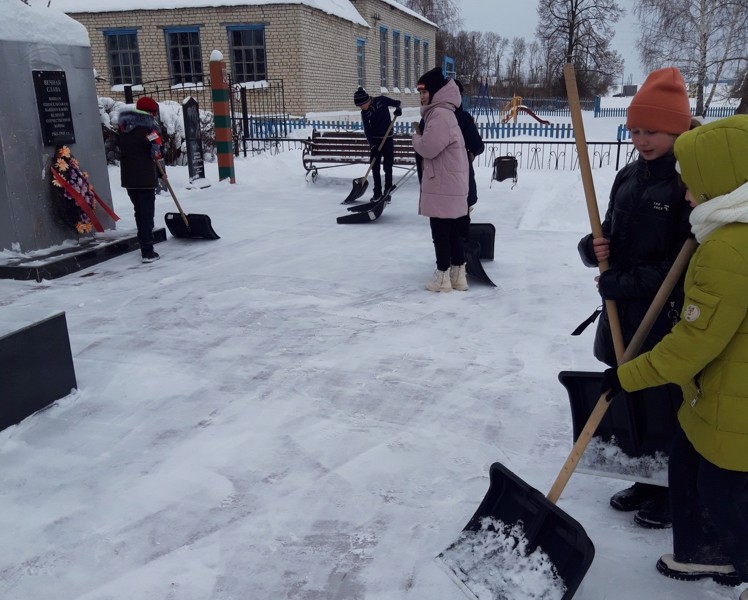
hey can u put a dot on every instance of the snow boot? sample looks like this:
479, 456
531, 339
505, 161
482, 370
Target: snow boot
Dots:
722, 574
440, 282
634, 497
149, 256
655, 514
457, 277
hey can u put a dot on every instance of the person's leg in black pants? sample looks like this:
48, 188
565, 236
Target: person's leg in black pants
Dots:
388, 158
144, 203
695, 539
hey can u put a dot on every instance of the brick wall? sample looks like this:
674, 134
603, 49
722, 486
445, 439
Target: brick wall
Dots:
314, 53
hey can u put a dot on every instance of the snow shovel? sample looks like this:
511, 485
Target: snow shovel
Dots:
387, 196
589, 194
516, 529
360, 184
187, 226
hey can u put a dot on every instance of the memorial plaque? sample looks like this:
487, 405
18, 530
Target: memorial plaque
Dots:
53, 103
191, 116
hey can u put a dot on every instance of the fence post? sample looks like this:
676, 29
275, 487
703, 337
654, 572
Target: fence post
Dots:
221, 117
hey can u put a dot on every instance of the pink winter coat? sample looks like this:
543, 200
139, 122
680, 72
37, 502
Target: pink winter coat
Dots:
444, 184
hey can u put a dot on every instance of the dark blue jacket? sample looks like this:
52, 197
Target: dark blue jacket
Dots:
376, 119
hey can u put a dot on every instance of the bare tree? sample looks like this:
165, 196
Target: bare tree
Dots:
742, 93
516, 61
445, 13
580, 32
706, 39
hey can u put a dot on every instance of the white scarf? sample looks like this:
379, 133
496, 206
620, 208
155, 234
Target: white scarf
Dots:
719, 211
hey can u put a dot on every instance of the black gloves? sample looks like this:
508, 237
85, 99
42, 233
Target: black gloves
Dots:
611, 383
374, 153
398, 111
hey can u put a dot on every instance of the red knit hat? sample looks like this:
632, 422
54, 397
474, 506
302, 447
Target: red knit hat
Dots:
147, 104
661, 104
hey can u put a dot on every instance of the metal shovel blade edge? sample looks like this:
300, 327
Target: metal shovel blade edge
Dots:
512, 501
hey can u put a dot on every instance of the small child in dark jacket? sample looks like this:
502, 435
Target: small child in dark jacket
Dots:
375, 116
644, 228
140, 148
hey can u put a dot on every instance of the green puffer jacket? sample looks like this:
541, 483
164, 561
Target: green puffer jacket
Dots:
706, 353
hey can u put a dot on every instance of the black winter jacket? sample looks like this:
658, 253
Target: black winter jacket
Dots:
137, 153
646, 223
474, 145
376, 119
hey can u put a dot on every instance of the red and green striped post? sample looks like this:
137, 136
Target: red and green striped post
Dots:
222, 118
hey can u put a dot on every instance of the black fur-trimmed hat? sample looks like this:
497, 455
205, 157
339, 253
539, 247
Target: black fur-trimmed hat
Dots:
360, 96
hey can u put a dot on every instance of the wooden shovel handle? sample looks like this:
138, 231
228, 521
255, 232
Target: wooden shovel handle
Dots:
670, 281
381, 145
589, 194
173, 195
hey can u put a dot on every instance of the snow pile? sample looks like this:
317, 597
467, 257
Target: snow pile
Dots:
493, 563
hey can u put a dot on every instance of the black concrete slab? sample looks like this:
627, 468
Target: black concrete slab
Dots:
70, 259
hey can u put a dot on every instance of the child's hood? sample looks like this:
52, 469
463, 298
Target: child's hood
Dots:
712, 157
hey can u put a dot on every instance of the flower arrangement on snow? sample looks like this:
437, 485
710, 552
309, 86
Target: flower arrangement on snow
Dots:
78, 199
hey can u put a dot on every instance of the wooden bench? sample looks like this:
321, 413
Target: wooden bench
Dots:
329, 149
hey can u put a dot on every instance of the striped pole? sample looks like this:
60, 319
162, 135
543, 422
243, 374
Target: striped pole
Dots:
221, 117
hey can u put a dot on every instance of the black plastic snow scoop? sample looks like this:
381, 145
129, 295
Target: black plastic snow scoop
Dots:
387, 196
514, 520
187, 226
360, 184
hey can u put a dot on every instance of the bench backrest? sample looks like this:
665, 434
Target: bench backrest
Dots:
354, 145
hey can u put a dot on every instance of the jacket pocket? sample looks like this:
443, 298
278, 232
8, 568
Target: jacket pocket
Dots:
699, 308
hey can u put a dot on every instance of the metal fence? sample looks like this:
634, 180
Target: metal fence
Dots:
556, 155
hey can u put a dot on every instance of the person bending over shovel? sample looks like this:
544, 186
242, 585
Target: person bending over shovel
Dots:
375, 115
706, 355
140, 147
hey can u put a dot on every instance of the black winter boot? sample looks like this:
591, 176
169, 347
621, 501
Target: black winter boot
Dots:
635, 497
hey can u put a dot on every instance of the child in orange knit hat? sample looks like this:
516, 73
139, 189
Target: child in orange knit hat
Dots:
644, 228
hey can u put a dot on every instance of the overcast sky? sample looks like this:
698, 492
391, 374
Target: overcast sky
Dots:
518, 19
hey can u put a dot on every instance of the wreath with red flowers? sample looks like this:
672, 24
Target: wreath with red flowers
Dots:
78, 199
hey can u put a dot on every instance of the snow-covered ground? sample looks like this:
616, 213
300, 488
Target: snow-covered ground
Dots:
287, 413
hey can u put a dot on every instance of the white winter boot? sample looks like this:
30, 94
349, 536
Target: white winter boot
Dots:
457, 277
440, 282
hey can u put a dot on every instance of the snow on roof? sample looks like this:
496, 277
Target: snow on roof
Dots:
37, 23
339, 8
412, 13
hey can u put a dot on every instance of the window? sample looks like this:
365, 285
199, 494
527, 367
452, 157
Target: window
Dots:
183, 51
383, 57
406, 61
361, 62
417, 58
247, 48
124, 56
395, 59
425, 56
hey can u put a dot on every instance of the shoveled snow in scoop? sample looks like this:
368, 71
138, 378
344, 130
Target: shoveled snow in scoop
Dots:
493, 564
608, 457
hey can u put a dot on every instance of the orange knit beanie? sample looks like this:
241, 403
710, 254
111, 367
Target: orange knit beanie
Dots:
661, 104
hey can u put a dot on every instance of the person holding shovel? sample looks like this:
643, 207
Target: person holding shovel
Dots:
644, 228
375, 115
140, 147
706, 355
